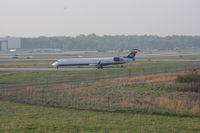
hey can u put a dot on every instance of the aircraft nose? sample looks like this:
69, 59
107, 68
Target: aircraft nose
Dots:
55, 64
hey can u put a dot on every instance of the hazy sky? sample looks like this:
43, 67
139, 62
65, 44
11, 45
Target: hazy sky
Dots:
24, 18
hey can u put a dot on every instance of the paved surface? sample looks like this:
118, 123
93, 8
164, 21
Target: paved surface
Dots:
46, 69
170, 60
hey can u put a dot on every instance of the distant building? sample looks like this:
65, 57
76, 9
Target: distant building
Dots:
7, 43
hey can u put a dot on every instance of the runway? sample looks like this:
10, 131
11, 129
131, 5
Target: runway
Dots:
89, 68
169, 60
46, 69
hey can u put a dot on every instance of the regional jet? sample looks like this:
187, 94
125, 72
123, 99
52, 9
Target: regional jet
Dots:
98, 62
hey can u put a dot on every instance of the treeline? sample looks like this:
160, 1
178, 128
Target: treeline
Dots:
107, 42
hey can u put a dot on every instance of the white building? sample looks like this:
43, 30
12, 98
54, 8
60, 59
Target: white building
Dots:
7, 43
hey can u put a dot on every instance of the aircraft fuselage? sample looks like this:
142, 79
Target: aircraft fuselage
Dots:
90, 61
99, 62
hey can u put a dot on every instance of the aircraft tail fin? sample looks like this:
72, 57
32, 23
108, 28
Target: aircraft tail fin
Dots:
132, 53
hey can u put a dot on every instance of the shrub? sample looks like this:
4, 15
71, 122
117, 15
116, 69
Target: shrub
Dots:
193, 82
193, 77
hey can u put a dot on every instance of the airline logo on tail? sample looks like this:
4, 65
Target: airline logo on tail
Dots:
132, 53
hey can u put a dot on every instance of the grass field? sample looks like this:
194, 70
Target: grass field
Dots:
26, 64
19, 118
138, 88
89, 89
131, 69
151, 94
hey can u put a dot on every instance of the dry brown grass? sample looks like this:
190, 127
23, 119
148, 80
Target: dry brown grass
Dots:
23, 91
155, 78
179, 104
3, 126
92, 92
167, 103
85, 88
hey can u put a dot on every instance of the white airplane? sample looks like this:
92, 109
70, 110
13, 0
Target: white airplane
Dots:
99, 62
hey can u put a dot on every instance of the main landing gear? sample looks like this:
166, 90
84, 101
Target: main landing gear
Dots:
99, 65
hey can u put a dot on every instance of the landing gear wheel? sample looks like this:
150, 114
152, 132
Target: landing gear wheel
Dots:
100, 67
